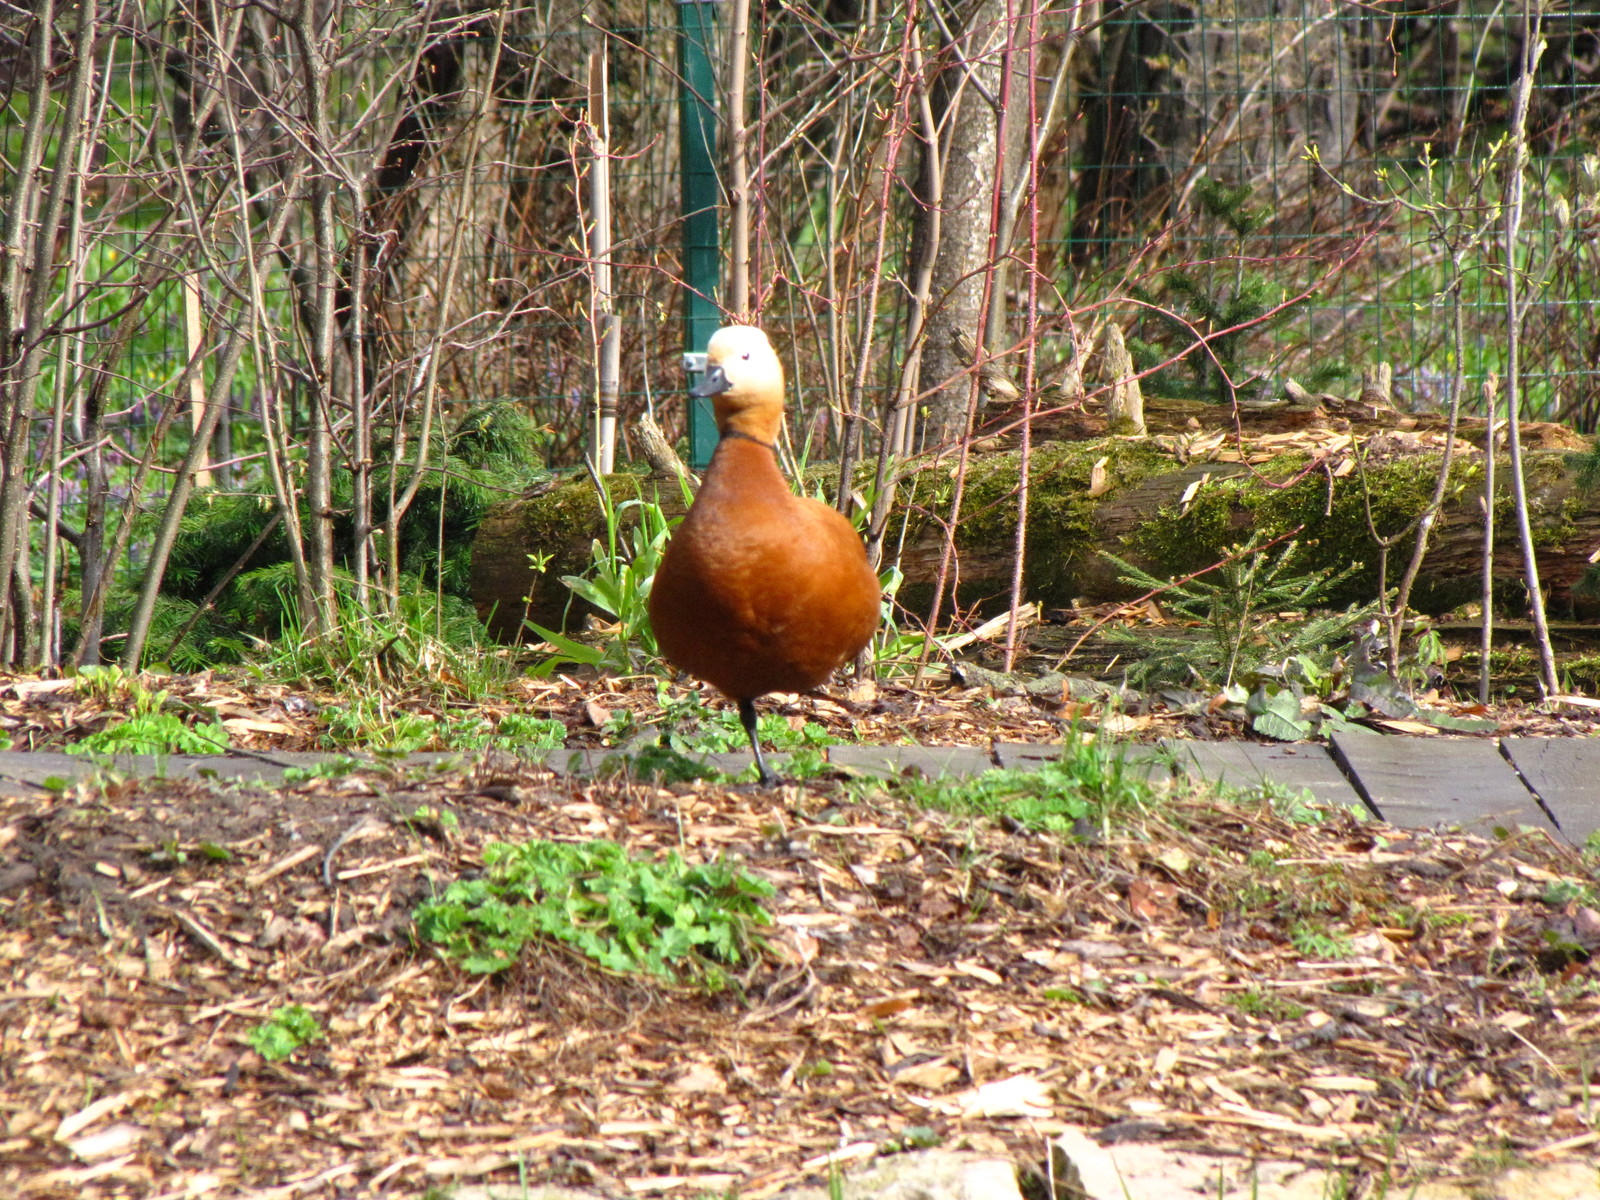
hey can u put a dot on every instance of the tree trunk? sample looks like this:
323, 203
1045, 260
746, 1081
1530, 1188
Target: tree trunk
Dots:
965, 91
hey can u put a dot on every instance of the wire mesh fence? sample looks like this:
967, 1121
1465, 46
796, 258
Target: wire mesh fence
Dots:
1325, 163
1341, 152
1328, 175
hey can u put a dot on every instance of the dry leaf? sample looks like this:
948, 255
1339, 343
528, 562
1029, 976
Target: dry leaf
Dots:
1479, 1087
863, 692
1401, 725
28, 689
250, 725
889, 1007
1018, 1096
1175, 859
701, 1077
1149, 900
109, 1142
87, 1116
1190, 491
1120, 724
932, 1076
980, 972
1341, 1083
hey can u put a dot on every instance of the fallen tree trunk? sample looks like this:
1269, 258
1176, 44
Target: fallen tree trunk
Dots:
1168, 515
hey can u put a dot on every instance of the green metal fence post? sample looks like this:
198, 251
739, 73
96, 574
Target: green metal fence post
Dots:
702, 268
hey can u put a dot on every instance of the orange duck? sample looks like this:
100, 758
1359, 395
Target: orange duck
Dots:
759, 590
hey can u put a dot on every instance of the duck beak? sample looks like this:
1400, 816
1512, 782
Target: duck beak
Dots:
713, 383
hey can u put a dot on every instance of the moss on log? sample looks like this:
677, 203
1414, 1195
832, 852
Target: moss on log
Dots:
1169, 516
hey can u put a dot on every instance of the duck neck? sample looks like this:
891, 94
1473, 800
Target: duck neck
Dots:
756, 421
739, 433
743, 470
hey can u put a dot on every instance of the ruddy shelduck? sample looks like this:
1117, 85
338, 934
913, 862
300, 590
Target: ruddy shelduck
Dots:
759, 590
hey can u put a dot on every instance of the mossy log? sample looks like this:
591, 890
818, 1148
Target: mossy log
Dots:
1168, 516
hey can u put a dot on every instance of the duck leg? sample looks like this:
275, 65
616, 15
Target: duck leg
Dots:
747, 718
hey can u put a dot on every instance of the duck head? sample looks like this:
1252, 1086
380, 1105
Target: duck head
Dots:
745, 379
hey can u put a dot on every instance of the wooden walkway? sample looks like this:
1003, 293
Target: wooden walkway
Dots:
1548, 783
1474, 783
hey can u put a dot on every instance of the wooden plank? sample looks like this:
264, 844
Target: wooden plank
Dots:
1308, 766
1139, 761
1026, 756
1566, 774
1298, 765
1220, 762
1422, 782
927, 762
33, 767
619, 760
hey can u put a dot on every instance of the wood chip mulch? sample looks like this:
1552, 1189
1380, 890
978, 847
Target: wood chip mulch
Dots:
262, 717
1404, 1004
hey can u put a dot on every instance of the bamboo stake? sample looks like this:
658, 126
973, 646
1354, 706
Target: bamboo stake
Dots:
194, 347
607, 329
1491, 394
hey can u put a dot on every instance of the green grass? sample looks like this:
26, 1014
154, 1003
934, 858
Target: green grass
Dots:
1256, 1003
1082, 791
663, 918
376, 724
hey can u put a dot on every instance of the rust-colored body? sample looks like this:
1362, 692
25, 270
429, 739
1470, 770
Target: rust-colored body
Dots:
759, 590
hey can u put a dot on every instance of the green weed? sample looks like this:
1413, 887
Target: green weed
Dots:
621, 570
151, 729
335, 768
285, 1031
662, 918
690, 729
520, 731
1064, 995
430, 818
700, 730
1559, 893
376, 724
1315, 941
1256, 1003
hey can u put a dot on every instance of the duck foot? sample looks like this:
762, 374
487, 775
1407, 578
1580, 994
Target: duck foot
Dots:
747, 718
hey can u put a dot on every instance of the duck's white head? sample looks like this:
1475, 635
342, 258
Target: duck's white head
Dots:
744, 376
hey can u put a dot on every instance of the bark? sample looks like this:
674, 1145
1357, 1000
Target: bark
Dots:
965, 94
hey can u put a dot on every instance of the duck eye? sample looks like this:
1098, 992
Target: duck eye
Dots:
745, 356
